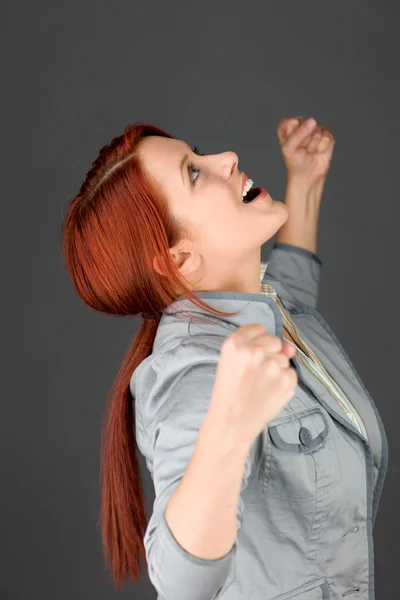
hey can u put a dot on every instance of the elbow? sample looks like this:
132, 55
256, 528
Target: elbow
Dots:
177, 575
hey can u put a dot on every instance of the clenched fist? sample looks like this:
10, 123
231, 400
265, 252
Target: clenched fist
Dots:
307, 148
254, 381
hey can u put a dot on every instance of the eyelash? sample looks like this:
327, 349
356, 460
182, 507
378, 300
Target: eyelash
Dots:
190, 166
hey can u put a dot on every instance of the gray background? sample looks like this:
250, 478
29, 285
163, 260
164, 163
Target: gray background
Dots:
219, 75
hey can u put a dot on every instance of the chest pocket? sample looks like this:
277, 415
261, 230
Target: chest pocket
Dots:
300, 460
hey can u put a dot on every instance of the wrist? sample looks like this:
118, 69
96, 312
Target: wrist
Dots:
303, 188
217, 431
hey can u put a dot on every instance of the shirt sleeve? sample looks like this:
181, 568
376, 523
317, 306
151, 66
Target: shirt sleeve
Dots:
171, 414
294, 273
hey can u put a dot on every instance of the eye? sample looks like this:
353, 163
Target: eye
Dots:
192, 167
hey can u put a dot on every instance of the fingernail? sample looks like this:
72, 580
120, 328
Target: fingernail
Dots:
310, 123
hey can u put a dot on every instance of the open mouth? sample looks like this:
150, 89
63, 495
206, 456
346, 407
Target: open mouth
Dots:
252, 194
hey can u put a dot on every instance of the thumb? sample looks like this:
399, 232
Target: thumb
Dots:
300, 134
289, 349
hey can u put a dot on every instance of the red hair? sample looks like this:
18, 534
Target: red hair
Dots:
118, 222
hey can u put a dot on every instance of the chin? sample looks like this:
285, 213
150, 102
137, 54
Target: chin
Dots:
285, 209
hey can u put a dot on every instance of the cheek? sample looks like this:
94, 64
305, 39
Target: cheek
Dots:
223, 228
218, 216
223, 202
222, 214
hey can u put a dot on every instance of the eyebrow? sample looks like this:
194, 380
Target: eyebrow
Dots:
183, 161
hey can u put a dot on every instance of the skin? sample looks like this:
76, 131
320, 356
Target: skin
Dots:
226, 235
307, 152
223, 251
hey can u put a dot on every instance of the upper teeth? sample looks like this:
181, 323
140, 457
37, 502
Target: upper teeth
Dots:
247, 186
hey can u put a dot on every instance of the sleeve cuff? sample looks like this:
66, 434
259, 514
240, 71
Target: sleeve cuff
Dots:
174, 546
179, 575
299, 250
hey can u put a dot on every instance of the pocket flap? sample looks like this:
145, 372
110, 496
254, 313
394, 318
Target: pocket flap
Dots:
300, 432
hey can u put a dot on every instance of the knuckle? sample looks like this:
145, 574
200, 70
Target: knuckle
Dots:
273, 344
270, 366
257, 354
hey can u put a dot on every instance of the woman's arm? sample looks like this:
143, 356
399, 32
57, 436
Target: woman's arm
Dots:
293, 265
301, 227
307, 150
201, 513
199, 472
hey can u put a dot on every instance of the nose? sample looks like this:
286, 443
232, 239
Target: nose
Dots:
231, 161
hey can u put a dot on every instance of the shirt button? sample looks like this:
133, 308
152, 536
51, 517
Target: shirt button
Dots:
305, 436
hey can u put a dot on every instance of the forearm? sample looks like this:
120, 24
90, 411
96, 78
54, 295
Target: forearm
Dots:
201, 513
301, 227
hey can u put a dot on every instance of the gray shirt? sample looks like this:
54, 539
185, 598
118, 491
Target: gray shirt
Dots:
312, 482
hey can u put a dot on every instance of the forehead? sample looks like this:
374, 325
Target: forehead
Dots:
162, 156
159, 150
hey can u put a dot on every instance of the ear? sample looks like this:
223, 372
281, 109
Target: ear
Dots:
186, 262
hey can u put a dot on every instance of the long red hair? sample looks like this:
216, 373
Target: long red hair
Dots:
114, 227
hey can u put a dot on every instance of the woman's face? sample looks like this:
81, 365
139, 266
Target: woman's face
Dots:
204, 194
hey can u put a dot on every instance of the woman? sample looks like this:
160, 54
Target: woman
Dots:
267, 453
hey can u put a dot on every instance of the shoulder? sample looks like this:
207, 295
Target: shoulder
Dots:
180, 377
